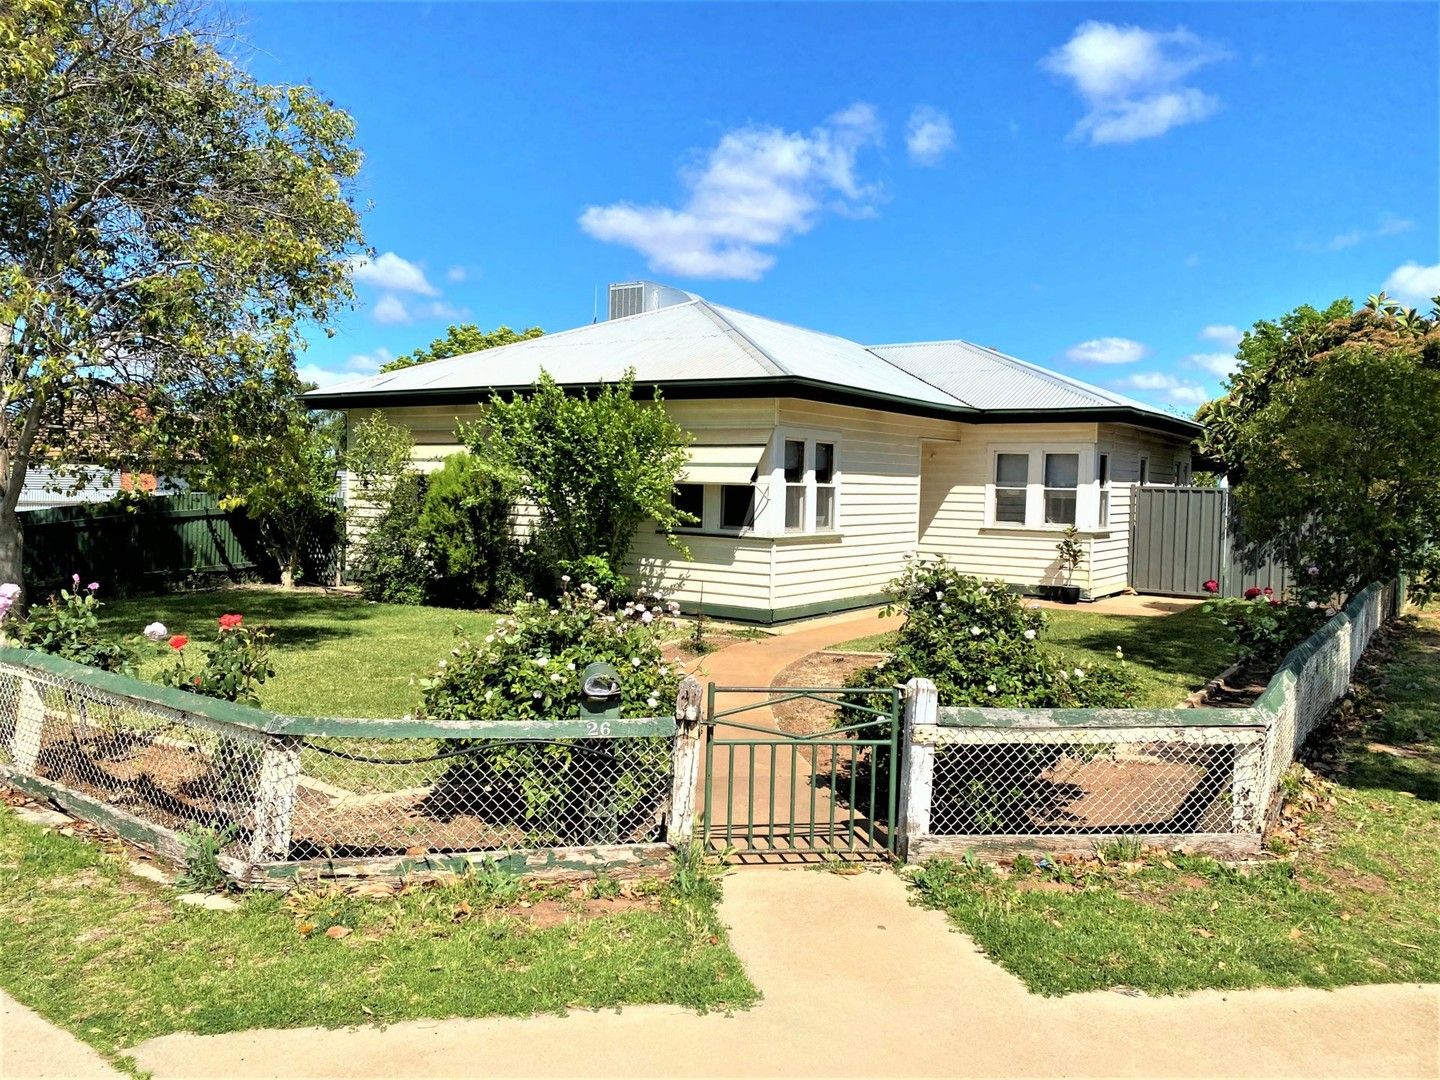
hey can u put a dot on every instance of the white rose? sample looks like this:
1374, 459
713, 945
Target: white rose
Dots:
990, 688
635, 661
647, 618
1312, 605
975, 631
156, 631
1029, 635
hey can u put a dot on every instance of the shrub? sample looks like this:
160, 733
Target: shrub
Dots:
529, 669
465, 526
232, 669
1266, 627
67, 625
393, 565
978, 642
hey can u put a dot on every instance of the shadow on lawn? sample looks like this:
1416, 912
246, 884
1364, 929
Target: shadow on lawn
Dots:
1190, 643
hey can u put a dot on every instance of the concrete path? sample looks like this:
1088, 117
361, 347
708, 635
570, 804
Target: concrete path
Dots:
859, 983
32, 1048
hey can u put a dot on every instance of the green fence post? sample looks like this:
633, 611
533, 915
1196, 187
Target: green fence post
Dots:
599, 702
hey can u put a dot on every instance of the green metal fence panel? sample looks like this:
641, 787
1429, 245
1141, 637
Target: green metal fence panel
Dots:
1181, 537
149, 542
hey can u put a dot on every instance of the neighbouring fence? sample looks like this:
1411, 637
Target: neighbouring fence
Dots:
1181, 537
290, 795
1059, 778
154, 541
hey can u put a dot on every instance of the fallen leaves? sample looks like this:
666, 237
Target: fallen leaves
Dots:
338, 932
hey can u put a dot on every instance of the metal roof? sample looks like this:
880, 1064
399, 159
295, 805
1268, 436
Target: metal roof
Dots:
697, 344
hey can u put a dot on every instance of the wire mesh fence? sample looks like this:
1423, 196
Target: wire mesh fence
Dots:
277, 789
1050, 773
1065, 781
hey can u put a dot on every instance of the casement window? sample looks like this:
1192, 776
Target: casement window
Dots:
1144, 470
790, 486
807, 476
737, 507
1182, 474
1062, 488
825, 487
690, 499
1047, 487
1102, 476
795, 485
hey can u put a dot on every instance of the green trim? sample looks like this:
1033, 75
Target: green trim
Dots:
512, 862
770, 616
773, 386
507, 730
953, 716
155, 838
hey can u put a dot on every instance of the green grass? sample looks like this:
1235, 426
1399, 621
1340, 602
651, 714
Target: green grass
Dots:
1352, 902
334, 655
1173, 655
118, 960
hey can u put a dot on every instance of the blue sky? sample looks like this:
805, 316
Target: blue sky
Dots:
1110, 190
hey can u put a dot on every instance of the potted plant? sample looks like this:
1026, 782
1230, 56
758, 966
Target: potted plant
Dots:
1071, 552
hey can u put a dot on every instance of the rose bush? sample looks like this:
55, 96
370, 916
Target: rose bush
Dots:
1264, 626
529, 669
233, 668
67, 625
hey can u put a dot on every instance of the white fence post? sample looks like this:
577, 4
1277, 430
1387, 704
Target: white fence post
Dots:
685, 762
274, 805
1249, 793
917, 741
29, 726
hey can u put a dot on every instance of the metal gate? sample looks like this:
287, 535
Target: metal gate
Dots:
801, 773
1181, 537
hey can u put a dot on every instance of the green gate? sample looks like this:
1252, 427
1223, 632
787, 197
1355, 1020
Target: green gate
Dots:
819, 780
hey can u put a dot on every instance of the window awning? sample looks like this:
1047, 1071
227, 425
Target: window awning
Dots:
722, 464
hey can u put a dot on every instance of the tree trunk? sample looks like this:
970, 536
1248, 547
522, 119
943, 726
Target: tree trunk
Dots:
12, 549
289, 566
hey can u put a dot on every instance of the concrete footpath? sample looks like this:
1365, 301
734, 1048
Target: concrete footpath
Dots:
859, 983
32, 1048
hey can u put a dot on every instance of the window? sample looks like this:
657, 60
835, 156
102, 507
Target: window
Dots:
1144, 471
824, 486
1012, 473
737, 506
1182, 473
1062, 486
794, 485
690, 499
1103, 476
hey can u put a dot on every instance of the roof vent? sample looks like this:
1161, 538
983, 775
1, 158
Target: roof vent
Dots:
633, 297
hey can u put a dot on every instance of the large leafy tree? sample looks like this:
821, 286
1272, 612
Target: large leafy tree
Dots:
595, 465
1330, 434
462, 339
167, 226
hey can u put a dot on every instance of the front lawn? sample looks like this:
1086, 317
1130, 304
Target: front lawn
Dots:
334, 654
118, 960
1351, 900
1172, 655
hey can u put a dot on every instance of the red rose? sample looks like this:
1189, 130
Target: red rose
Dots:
1211, 586
1252, 592
1269, 591
179, 641
230, 622
1274, 602
196, 680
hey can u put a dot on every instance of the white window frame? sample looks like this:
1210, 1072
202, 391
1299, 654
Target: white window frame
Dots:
776, 508
1087, 490
1142, 471
1104, 481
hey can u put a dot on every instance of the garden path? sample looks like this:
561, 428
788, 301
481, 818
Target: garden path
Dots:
858, 982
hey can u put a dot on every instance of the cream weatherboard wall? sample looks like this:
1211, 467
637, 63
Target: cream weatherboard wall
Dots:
905, 485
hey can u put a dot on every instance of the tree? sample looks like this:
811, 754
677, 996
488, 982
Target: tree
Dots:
167, 225
462, 339
596, 466
1330, 434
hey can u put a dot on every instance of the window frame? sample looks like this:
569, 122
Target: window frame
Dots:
1086, 488
777, 509
1103, 480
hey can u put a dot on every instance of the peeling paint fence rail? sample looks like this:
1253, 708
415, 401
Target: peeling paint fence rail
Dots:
1065, 779
293, 796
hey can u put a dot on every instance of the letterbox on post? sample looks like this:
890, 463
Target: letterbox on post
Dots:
599, 702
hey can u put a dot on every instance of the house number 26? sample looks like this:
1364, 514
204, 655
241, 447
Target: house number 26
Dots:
597, 730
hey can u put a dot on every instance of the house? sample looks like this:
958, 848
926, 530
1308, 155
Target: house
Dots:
820, 465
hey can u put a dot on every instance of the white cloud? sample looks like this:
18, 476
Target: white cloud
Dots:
1219, 364
929, 135
1131, 80
455, 273
755, 189
1389, 225
1107, 350
390, 271
1223, 334
1165, 386
356, 365
390, 310
1413, 283
442, 310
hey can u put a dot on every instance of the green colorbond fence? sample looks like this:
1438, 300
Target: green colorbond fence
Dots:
154, 542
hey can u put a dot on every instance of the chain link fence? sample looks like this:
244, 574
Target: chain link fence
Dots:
1168, 775
157, 763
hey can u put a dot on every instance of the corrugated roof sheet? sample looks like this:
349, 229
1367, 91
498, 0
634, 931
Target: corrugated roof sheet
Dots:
698, 341
987, 379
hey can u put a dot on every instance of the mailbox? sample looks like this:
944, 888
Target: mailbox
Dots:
600, 692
